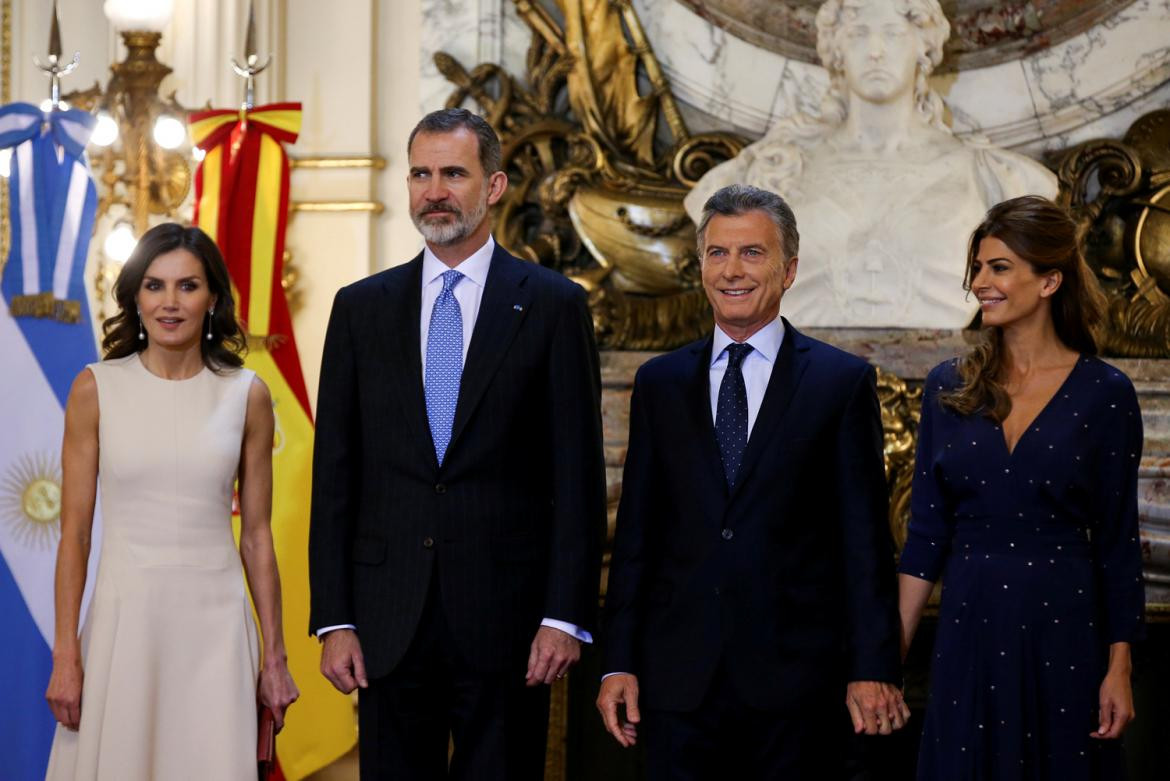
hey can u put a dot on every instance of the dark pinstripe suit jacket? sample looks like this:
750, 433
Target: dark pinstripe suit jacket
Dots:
513, 519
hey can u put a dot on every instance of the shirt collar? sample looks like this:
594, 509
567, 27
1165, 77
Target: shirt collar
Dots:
765, 341
474, 266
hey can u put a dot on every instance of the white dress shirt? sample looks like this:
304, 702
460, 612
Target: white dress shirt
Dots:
469, 293
756, 367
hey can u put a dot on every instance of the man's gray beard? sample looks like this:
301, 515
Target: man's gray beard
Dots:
459, 228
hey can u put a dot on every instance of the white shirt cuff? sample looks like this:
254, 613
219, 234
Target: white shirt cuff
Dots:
564, 626
615, 672
567, 628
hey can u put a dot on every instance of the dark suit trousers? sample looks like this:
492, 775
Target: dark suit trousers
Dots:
498, 726
726, 740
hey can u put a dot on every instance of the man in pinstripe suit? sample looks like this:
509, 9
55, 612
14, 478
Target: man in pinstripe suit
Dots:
458, 484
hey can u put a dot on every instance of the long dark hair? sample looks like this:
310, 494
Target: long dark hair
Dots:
1046, 237
227, 345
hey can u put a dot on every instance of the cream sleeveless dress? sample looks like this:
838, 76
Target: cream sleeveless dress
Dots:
170, 649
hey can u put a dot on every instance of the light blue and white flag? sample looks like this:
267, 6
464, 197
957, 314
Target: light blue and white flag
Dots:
46, 338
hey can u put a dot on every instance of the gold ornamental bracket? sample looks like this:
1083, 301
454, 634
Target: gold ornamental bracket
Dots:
1119, 193
901, 409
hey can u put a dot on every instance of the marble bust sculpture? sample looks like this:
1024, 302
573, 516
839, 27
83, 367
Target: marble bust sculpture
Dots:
884, 193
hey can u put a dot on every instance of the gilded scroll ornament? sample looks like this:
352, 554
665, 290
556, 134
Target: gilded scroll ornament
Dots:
598, 166
901, 410
1119, 191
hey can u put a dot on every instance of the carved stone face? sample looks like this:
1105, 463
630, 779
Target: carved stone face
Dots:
880, 49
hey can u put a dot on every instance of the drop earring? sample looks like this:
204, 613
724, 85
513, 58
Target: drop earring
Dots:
210, 315
141, 332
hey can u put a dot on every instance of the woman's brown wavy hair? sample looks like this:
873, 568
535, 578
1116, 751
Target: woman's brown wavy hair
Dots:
1044, 235
227, 345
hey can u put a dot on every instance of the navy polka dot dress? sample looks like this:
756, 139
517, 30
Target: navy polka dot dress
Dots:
1041, 565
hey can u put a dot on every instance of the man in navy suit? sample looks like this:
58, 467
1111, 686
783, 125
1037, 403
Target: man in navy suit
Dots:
752, 585
458, 483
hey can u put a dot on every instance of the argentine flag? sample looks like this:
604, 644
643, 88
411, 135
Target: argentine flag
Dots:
46, 338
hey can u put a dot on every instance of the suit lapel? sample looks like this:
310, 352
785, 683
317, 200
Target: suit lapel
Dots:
502, 309
791, 361
698, 401
402, 314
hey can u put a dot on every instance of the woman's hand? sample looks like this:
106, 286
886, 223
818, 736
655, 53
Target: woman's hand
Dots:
64, 692
277, 689
1116, 705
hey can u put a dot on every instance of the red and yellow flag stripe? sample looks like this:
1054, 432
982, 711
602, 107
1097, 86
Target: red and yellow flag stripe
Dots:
241, 201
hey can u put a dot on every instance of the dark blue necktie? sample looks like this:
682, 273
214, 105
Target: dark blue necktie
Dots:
444, 363
731, 412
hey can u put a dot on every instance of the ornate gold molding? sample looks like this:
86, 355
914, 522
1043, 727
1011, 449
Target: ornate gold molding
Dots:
901, 411
375, 162
1119, 191
374, 207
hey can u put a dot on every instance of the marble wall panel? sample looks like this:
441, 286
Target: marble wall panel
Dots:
1098, 72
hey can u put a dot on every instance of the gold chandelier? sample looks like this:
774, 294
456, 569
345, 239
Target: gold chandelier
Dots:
139, 151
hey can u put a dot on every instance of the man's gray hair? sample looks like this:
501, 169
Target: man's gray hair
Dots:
448, 120
737, 199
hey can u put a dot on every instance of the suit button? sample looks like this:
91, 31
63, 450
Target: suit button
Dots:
716, 591
428, 542
728, 534
440, 488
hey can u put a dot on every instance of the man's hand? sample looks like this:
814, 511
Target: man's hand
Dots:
341, 661
553, 653
876, 707
620, 689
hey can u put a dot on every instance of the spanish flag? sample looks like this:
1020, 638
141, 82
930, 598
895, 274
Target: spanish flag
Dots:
241, 201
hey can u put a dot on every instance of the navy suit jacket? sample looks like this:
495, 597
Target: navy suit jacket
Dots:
514, 518
788, 578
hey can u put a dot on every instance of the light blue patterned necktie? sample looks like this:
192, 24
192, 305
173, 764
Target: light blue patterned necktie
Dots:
444, 363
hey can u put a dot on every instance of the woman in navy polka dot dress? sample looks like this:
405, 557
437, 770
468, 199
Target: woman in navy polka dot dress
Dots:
1025, 503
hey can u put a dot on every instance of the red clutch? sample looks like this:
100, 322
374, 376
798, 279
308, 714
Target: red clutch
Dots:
265, 744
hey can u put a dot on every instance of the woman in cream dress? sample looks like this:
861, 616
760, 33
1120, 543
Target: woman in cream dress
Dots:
164, 679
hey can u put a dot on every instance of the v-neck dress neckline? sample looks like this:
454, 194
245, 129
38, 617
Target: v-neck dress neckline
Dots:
1011, 451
